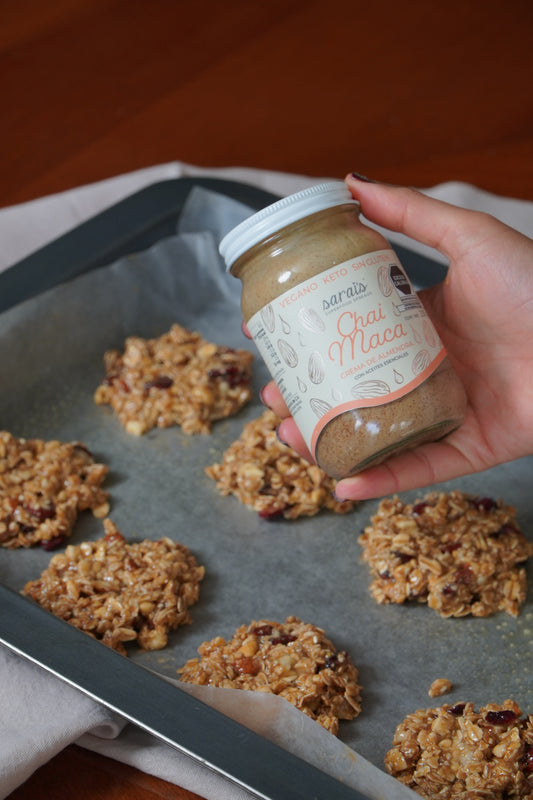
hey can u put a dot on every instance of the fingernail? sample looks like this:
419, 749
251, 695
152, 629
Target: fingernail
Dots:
280, 440
358, 177
262, 398
339, 494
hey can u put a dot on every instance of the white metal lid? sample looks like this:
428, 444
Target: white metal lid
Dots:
281, 213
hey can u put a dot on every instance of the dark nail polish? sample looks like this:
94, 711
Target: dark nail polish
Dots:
359, 177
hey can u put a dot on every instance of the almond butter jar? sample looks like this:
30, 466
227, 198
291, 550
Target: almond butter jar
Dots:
343, 334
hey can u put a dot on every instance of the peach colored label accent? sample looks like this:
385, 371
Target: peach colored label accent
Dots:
350, 337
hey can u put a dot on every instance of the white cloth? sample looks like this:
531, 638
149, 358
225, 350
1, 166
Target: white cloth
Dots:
40, 714
28, 226
29, 733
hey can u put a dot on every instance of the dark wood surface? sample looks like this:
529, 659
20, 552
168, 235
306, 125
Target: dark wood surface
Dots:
415, 93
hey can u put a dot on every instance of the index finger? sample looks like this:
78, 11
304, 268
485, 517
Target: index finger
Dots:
448, 228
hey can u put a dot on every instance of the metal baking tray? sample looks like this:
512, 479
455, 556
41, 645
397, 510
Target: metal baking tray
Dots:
120, 274
130, 226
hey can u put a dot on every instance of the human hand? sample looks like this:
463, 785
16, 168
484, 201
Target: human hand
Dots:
483, 312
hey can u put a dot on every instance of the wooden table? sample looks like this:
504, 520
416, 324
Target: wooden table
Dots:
415, 93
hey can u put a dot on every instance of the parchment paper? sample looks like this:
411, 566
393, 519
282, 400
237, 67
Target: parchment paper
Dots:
51, 363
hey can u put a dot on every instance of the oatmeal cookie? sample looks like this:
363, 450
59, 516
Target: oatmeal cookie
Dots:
457, 753
43, 487
291, 659
119, 592
271, 478
176, 379
458, 553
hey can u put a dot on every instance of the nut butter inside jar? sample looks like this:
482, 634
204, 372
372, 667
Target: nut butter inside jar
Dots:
345, 337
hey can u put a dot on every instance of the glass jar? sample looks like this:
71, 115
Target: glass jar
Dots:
348, 342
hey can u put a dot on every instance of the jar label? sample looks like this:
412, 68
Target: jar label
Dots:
353, 336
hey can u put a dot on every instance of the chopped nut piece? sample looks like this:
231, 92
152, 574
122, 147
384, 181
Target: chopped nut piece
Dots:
455, 752
292, 659
176, 379
458, 553
271, 478
439, 687
120, 592
43, 487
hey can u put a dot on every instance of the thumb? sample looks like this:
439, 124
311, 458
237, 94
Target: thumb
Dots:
445, 227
